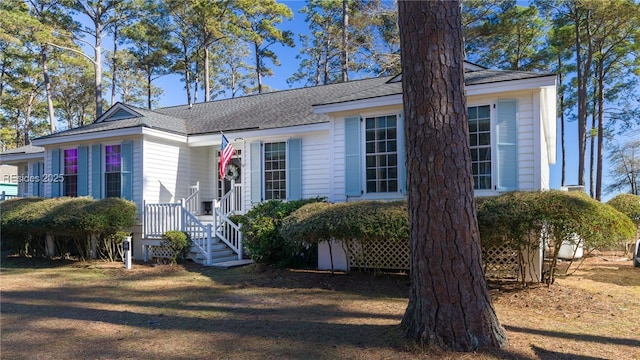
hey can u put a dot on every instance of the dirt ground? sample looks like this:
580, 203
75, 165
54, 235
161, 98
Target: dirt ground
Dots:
96, 310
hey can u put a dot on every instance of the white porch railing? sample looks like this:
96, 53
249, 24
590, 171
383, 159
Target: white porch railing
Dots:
201, 235
160, 218
192, 202
225, 229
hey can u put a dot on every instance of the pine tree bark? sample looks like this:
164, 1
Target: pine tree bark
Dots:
449, 304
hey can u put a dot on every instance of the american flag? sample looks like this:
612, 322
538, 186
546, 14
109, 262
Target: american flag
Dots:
226, 152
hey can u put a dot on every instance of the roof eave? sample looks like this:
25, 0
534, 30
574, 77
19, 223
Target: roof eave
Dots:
44, 141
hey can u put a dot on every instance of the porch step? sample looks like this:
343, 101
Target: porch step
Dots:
232, 263
220, 252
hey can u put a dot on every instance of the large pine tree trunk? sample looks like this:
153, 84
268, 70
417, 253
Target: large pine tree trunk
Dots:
449, 304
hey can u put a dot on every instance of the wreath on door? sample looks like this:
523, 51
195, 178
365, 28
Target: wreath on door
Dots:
233, 172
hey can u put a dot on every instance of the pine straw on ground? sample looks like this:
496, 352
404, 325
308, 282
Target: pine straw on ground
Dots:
97, 310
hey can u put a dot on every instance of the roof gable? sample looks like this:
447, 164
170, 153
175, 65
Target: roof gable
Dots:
118, 111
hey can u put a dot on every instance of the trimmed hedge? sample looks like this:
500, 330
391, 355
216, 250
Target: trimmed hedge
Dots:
365, 221
27, 220
261, 229
519, 218
629, 205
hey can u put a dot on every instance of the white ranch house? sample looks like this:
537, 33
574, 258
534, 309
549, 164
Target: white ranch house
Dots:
343, 141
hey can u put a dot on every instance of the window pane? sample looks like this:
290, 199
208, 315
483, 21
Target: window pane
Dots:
480, 145
112, 185
70, 172
275, 170
484, 139
381, 154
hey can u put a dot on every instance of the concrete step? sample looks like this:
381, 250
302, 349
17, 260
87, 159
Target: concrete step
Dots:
214, 261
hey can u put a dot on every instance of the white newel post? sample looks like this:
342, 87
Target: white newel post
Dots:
209, 241
126, 246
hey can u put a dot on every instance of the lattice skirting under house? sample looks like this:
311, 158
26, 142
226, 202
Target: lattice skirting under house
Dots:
164, 252
500, 262
378, 255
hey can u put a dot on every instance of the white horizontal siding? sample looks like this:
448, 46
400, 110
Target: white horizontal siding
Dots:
166, 171
203, 170
315, 165
526, 139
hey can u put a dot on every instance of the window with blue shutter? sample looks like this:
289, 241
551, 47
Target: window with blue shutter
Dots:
55, 169
506, 145
294, 169
96, 171
36, 186
83, 171
352, 164
126, 170
255, 172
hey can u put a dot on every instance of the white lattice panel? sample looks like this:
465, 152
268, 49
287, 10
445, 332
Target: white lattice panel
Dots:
160, 252
378, 255
500, 262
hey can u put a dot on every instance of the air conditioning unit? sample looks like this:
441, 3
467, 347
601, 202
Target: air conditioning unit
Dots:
573, 188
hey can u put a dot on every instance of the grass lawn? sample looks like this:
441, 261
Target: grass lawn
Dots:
97, 310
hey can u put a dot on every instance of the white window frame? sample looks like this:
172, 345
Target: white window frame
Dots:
63, 189
492, 133
103, 170
363, 155
263, 178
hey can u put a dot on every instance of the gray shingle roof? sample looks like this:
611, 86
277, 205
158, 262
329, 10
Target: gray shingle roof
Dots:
27, 149
149, 119
266, 111
271, 110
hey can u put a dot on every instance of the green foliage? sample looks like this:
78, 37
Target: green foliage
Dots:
520, 218
179, 242
261, 229
364, 221
629, 205
511, 218
69, 219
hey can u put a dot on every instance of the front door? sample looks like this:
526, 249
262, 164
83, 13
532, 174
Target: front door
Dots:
233, 175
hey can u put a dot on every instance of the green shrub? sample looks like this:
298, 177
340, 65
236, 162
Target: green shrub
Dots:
629, 205
71, 220
364, 222
519, 219
179, 242
261, 229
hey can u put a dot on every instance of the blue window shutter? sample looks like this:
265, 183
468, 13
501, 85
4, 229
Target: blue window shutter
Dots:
294, 170
126, 170
402, 158
83, 170
507, 145
35, 186
352, 163
255, 149
96, 171
55, 169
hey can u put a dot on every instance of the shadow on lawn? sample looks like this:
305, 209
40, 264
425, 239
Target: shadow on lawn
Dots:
577, 337
24, 262
391, 285
319, 327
